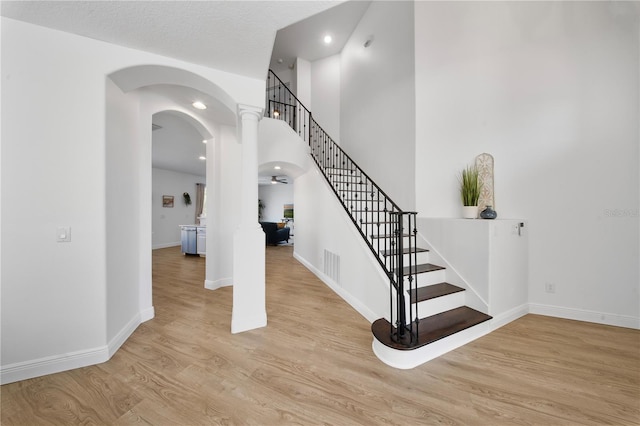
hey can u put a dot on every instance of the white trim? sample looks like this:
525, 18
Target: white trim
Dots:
69, 361
214, 285
166, 245
450, 268
147, 314
354, 302
238, 325
52, 364
123, 335
505, 318
585, 315
405, 360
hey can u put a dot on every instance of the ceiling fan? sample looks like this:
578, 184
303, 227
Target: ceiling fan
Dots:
275, 179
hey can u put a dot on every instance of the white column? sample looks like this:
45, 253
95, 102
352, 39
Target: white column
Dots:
249, 308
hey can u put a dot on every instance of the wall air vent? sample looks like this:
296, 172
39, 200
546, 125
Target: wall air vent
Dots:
332, 266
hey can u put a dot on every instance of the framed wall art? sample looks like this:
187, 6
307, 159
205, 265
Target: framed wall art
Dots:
167, 201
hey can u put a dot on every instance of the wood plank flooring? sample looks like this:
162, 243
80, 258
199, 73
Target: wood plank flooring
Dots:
313, 364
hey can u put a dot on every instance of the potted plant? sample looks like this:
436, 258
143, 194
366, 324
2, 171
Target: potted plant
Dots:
469, 192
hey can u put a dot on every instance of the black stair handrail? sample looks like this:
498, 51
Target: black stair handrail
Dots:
379, 220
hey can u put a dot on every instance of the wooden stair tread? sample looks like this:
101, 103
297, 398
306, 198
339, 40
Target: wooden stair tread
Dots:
433, 291
404, 251
432, 328
421, 268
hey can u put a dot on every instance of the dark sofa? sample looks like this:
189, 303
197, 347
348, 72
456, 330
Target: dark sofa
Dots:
273, 235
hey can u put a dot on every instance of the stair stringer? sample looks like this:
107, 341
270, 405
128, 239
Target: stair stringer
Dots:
411, 358
475, 298
472, 298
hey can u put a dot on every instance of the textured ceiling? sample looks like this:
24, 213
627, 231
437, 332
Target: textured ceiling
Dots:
233, 36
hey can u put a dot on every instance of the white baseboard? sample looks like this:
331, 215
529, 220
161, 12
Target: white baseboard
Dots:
214, 285
246, 324
123, 334
147, 314
52, 364
505, 318
584, 315
355, 303
166, 245
69, 361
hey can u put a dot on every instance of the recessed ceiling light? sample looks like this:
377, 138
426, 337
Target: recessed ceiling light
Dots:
199, 105
277, 167
204, 141
327, 39
202, 157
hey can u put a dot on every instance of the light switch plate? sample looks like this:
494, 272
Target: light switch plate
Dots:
63, 234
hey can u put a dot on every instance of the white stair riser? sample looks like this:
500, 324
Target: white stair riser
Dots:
370, 216
428, 278
441, 304
411, 359
423, 257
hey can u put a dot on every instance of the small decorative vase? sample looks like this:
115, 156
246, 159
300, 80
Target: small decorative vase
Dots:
469, 212
488, 213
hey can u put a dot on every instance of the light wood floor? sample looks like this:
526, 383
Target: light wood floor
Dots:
313, 364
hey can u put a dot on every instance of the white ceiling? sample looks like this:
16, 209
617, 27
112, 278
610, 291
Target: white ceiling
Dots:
177, 145
233, 36
304, 39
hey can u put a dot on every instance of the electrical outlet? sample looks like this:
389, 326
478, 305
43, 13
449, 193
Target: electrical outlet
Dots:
550, 287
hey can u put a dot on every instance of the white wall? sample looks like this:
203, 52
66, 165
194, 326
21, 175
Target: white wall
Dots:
53, 174
550, 89
223, 205
165, 220
55, 316
274, 198
377, 110
325, 95
302, 80
122, 195
322, 224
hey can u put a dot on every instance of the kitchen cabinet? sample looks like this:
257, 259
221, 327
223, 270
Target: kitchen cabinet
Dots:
193, 239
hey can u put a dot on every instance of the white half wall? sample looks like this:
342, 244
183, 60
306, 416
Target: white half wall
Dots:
165, 220
551, 90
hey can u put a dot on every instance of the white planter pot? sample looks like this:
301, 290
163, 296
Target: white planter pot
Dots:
469, 212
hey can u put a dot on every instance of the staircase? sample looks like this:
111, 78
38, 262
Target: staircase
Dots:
423, 308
